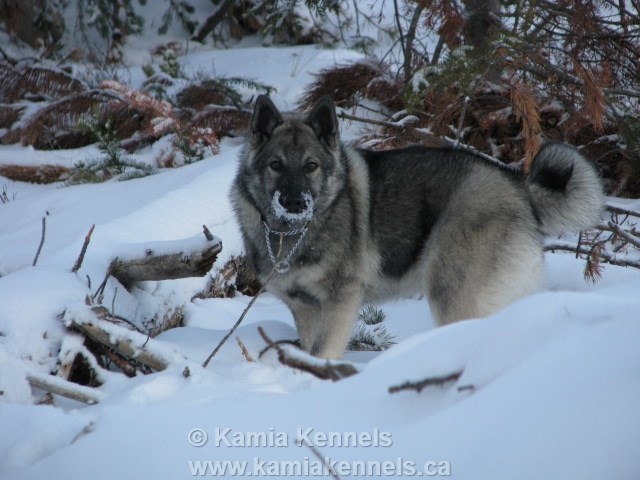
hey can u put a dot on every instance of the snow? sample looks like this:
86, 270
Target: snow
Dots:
549, 386
281, 212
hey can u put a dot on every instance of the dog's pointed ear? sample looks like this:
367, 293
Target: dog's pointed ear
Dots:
266, 118
323, 121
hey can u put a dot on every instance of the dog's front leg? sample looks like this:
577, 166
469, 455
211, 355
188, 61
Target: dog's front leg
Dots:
306, 318
335, 325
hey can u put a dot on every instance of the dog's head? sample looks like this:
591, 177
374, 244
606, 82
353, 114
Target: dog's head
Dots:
292, 167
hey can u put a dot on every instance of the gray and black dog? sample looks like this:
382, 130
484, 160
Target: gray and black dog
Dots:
344, 227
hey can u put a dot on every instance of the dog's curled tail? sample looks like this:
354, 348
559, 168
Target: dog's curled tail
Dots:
566, 191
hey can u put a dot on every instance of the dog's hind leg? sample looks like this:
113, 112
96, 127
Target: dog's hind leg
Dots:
478, 265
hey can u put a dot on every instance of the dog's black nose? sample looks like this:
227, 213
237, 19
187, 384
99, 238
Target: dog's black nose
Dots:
293, 204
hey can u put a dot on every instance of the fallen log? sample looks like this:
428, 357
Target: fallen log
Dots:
59, 386
123, 346
130, 344
169, 260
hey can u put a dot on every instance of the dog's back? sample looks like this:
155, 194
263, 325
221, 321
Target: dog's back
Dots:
468, 231
409, 190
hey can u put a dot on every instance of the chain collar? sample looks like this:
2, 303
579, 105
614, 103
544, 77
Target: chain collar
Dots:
283, 266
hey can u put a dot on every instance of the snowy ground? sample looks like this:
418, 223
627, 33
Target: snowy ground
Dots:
550, 385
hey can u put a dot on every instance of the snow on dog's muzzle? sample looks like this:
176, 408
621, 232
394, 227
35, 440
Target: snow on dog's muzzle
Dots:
292, 208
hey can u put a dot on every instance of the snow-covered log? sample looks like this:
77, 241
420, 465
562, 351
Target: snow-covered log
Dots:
129, 344
169, 260
124, 346
59, 386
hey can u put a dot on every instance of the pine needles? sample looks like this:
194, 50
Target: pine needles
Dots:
369, 334
112, 164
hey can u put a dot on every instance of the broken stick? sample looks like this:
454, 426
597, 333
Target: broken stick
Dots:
427, 382
323, 369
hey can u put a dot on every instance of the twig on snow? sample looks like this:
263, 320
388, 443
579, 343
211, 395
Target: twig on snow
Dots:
323, 369
325, 460
103, 285
245, 352
80, 259
207, 233
238, 322
427, 382
44, 229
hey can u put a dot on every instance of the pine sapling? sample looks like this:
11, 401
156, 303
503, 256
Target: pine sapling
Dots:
369, 333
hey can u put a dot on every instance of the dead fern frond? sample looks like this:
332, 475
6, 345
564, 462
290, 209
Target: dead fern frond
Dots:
162, 117
9, 114
527, 113
222, 121
199, 96
42, 174
47, 82
446, 107
452, 22
595, 100
55, 126
9, 78
346, 84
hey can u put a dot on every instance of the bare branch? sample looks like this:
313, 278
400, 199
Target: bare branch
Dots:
381, 123
213, 21
322, 369
396, 15
603, 256
427, 382
409, 39
44, 228
628, 236
621, 211
437, 51
325, 460
238, 322
83, 250
103, 285
243, 349
207, 233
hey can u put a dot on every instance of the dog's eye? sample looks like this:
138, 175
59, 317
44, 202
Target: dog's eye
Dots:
276, 166
311, 167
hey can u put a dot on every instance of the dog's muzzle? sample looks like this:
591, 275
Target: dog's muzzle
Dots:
293, 203
292, 207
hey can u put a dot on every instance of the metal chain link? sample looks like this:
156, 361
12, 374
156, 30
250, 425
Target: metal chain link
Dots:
283, 266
